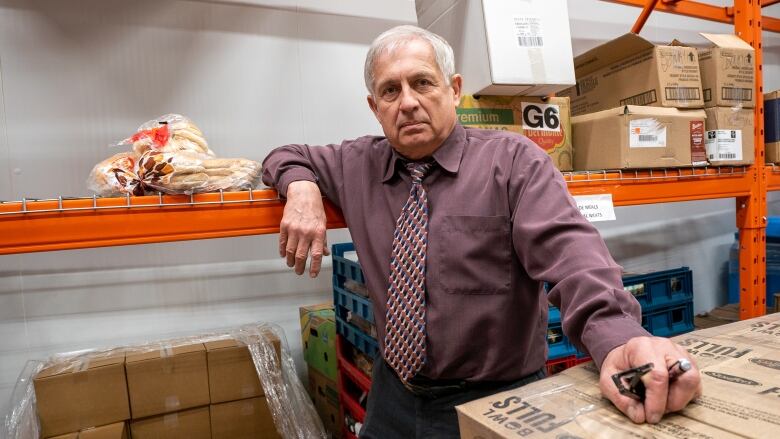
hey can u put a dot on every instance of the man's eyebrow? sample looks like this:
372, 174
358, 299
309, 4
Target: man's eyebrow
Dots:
386, 82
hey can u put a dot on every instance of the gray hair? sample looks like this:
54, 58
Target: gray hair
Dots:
400, 35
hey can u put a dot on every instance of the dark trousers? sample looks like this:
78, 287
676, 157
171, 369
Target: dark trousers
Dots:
393, 411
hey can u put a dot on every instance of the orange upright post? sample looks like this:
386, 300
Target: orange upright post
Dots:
751, 210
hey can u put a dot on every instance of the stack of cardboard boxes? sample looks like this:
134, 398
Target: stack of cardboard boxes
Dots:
511, 55
728, 80
195, 390
637, 104
318, 337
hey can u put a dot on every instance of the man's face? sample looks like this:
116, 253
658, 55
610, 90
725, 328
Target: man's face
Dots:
412, 101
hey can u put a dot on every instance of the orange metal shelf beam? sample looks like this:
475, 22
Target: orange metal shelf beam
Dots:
699, 10
662, 186
84, 223
772, 173
78, 224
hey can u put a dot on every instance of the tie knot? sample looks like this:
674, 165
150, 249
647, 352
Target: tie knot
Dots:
418, 170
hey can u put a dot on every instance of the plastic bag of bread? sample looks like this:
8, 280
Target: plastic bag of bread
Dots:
169, 133
190, 173
116, 175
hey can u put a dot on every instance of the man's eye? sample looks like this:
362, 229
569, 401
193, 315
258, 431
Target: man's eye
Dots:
424, 82
389, 91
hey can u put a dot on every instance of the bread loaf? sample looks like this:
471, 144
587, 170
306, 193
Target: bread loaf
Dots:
115, 176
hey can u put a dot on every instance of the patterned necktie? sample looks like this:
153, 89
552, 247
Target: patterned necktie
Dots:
405, 328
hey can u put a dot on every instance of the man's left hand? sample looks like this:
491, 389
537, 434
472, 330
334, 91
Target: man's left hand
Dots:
662, 395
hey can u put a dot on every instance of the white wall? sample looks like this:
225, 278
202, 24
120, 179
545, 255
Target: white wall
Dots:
76, 76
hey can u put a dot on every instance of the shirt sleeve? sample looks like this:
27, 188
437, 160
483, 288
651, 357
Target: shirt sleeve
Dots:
318, 164
556, 244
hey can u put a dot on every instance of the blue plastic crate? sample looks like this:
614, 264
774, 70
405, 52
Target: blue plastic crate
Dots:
359, 305
357, 338
558, 344
671, 321
553, 315
660, 289
772, 268
344, 269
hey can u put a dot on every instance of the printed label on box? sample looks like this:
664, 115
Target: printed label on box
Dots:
698, 151
724, 145
596, 207
646, 133
528, 31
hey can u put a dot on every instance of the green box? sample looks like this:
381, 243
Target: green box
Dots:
318, 338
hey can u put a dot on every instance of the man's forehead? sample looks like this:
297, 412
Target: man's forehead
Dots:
415, 57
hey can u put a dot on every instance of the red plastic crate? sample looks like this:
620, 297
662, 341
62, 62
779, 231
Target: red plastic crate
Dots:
560, 364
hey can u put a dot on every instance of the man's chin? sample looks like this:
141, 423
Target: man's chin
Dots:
414, 150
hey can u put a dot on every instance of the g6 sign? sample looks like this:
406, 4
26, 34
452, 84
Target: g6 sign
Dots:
541, 117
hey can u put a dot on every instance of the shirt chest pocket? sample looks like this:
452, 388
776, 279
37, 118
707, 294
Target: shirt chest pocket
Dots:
474, 255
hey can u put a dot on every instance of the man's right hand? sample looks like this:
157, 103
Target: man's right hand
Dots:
302, 230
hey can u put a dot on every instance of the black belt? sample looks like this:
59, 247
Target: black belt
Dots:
432, 388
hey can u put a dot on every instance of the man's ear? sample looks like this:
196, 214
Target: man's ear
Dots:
456, 83
372, 105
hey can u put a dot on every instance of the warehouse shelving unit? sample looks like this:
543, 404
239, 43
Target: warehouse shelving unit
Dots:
749, 23
62, 224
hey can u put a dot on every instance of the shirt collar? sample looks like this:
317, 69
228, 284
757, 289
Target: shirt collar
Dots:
447, 156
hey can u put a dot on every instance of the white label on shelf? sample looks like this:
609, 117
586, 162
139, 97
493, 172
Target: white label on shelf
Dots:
646, 133
723, 145
528, 31
596, 207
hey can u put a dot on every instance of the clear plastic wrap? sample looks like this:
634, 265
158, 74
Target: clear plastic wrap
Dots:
168, 133
293, 412
115, 176
189, 173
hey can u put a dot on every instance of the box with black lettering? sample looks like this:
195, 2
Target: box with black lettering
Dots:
546, 121
631, 70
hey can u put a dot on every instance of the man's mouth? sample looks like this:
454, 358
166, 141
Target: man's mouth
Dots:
410, 124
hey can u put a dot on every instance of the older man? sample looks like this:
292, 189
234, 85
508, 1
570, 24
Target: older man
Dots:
456, 230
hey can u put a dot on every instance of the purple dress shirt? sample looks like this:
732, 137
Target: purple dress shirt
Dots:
501, 223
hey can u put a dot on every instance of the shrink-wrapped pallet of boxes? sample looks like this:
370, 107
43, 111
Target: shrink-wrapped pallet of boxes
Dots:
235, 383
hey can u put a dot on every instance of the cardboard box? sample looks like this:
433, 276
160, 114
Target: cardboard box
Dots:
188, 424
167, 380
631, 70
729, 139
80, 394
246, 418
638, 137
728, 76
772, 126
318, 337
545, 121
739, 364
112, 431
325, 395
232, 373
503, 47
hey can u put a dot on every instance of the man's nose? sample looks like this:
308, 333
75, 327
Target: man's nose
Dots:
409, 100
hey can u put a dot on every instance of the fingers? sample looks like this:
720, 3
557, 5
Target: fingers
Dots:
302, 230
685, 387
615, 362
661, 395
630, 407
318, 249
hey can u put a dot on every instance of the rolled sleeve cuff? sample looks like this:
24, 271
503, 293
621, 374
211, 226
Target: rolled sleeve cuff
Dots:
292, 175
603, 336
